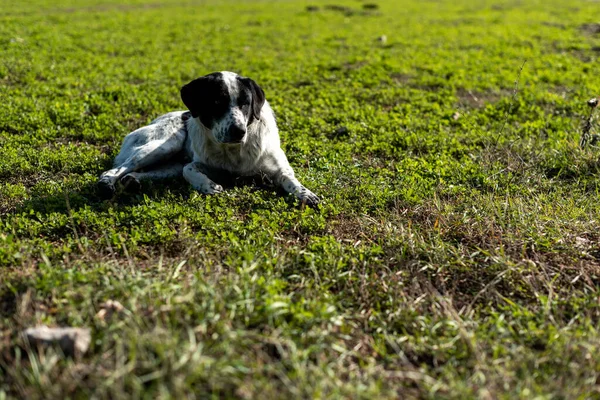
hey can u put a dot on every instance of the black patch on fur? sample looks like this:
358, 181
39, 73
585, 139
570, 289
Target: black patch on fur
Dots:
207, 98
251, 98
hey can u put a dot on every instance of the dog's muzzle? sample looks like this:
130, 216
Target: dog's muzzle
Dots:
235, 134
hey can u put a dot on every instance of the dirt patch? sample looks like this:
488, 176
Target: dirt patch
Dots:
368, 9
355, 65
590, 29
303, 83
555, 25
563, 91
585, 55
476, 99
353, 229
401, 78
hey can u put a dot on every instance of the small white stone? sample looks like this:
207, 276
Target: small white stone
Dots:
72, 341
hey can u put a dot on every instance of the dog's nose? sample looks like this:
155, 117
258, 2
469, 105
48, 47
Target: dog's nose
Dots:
236, 133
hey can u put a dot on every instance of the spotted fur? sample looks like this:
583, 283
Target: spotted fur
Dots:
229, 127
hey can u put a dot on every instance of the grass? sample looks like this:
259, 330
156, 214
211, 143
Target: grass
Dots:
455, 255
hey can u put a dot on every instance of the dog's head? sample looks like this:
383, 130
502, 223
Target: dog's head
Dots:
225, 103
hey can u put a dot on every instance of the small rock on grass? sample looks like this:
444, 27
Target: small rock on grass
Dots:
72, 341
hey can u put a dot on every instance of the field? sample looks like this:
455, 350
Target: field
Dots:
456, 253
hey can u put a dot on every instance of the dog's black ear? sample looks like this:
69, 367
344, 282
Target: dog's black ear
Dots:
191, 94
258, 97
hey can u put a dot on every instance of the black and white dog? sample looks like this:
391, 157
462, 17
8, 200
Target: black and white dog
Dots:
229, 130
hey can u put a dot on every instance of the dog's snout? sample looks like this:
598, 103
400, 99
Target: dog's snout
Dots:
236, 133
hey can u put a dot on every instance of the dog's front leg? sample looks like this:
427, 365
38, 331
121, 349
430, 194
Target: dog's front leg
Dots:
290, 184
195, 174
279, 170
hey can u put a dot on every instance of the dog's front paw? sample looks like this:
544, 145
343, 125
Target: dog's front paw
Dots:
307, 197
211, 188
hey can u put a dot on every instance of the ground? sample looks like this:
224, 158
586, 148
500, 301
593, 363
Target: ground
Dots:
455, 254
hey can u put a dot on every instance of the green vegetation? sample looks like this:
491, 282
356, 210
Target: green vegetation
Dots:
456, 254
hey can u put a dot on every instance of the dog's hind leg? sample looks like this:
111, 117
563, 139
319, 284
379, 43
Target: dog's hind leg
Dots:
140, 157
169, 171
143, 148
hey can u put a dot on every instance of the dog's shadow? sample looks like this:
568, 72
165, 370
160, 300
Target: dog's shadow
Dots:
90, 196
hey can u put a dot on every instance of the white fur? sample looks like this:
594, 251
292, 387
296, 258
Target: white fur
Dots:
169, 138
234, 114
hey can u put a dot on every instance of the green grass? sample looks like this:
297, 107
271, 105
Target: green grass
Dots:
456, 253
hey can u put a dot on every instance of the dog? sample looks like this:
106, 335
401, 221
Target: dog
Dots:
229, 130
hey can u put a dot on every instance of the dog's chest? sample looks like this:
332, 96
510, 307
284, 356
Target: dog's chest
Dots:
239, 159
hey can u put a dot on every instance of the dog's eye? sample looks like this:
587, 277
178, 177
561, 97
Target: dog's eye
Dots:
218, 103
244, 99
